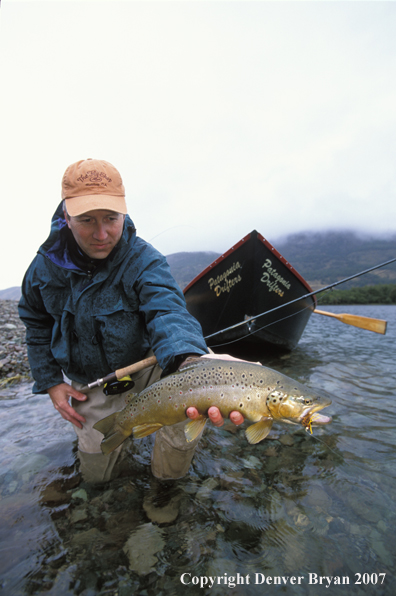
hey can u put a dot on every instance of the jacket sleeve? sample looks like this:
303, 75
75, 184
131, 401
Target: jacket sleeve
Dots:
172, 330
39, 323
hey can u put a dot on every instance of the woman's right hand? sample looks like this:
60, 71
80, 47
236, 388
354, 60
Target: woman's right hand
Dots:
59, 395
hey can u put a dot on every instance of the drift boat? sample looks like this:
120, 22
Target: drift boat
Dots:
251, 278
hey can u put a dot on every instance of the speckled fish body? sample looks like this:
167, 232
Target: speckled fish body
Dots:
261, 394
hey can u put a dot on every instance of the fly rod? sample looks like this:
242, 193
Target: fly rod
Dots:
337, 283
122, 372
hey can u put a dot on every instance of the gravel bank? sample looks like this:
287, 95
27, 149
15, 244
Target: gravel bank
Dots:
14, 365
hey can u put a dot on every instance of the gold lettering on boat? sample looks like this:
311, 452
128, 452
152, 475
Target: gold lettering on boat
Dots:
273, 280
226, 281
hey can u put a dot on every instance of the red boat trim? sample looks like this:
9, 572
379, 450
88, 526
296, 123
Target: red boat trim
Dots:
286, 263
235, 247
217, 261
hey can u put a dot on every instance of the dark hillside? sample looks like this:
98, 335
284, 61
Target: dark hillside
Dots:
187, 265
13, 293
322, 258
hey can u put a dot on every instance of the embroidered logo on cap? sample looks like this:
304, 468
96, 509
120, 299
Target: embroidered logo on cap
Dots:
95, 178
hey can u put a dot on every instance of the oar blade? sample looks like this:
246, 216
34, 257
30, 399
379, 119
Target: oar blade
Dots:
368, 323
376, 325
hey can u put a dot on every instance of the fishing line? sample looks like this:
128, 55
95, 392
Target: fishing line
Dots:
312, 436
338, 455
324, 289
172, 228
232, 341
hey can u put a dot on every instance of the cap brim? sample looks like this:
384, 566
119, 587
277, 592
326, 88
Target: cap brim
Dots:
79, 205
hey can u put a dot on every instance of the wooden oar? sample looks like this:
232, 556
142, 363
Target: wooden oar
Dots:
122, 372
376, 325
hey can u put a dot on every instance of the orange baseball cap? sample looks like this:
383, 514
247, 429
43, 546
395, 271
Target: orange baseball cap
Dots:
93, 184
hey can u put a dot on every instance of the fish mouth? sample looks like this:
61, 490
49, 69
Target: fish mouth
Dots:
314, 418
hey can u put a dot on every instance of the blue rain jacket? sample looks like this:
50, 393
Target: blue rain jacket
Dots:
89, 325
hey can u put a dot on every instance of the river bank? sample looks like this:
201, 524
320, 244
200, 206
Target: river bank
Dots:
14, 365
379, 294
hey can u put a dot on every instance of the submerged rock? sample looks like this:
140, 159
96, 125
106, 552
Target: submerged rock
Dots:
142, 546
252, 462
80, 494
87, 537
162, 514
78, 515
286, 440
206, 489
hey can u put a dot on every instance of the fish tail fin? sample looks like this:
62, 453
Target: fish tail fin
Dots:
113, 436
106, 424
111, 442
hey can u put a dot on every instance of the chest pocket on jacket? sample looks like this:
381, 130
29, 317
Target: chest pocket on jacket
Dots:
120, 330
57, 301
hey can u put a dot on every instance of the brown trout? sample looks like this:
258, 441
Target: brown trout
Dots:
261, 394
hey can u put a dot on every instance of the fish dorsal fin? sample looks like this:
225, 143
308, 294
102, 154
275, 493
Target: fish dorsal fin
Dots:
194, 427
190, 361
257, 432
142, 430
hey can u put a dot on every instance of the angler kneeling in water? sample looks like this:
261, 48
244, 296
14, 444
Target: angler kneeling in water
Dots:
97, 298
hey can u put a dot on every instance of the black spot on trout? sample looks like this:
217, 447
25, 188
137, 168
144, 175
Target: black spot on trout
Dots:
201, 384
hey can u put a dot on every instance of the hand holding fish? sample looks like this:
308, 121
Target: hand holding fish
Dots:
214, 413
215, 416
60, 395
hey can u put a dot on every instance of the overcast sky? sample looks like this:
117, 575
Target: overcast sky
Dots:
222, 117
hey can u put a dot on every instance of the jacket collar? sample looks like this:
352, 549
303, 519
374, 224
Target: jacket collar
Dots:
61, 248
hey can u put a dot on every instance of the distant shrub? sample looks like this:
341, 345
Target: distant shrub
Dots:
379, 294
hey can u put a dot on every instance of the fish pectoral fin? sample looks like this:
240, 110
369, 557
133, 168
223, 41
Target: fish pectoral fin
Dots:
142, 430
258, 431
194, 428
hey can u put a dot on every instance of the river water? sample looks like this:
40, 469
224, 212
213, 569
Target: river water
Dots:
296, 514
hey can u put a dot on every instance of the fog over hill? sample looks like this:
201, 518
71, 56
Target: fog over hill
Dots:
324, 257
320, 257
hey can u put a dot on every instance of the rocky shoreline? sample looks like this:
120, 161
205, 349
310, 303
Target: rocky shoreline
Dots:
14, 364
